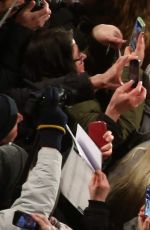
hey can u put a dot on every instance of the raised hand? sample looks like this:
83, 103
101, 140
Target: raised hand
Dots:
108, 35
99, 186
140, 48
33, 19
125, 98
51, 120
43, 221
143, 221
111, 79
107, 148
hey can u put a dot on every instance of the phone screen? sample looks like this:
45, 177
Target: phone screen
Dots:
25, 220
147, 201
96, 131
134, 71
138, 28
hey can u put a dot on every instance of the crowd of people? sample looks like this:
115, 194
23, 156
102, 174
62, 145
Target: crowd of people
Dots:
68, 63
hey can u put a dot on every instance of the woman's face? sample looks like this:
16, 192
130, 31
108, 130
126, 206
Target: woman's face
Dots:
78, 58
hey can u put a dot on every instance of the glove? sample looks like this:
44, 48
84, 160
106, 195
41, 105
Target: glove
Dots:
51, 120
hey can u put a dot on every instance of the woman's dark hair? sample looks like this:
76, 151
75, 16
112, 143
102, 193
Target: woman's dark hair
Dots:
49, 54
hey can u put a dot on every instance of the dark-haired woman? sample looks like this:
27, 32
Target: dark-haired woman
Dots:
53, 53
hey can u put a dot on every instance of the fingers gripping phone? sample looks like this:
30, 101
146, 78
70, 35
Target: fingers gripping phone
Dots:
96, 131
139, 27
147, 201
25, 221
134, 72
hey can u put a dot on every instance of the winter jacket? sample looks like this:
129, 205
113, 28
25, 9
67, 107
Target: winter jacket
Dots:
39, 192
12, 163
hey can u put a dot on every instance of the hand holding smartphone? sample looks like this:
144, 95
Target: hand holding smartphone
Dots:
147, 201
138, 28
96, 131
134, 71
25, 221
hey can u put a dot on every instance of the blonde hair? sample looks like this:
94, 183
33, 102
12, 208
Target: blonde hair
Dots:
128, 180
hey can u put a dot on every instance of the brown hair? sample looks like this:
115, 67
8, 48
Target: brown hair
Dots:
123, 14
49, 54
127, 12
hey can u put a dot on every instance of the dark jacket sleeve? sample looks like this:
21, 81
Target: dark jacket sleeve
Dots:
22, 97
96, 216
12, 44
80, 86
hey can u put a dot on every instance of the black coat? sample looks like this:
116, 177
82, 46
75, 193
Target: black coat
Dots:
12, 44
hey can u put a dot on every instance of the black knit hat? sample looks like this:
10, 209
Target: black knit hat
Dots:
8, 115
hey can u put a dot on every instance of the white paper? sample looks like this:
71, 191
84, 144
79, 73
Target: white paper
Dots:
88, 150
79, 148
75, 177
93, 153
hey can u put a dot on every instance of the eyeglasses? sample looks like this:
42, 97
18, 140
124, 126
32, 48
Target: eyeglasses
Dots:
80, 59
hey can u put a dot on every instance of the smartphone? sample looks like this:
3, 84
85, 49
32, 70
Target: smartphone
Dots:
25, 221
138, 28
147, 201
134, 72
96, 131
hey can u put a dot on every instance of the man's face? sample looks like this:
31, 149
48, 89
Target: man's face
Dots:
14, 131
